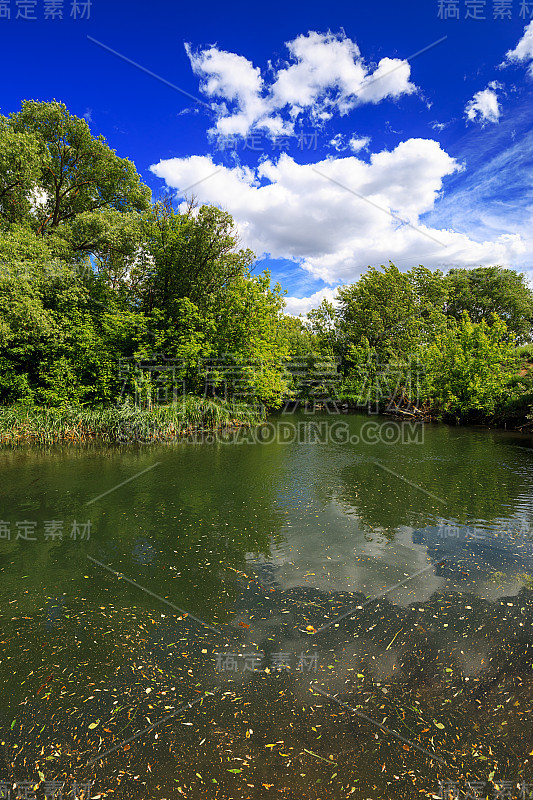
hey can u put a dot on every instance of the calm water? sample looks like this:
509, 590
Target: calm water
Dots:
347, 617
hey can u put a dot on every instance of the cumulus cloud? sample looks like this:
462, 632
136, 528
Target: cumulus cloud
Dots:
484, 107
523, 51
358, 143
335, 217
338, 142
355, 143
301, 305
325, 74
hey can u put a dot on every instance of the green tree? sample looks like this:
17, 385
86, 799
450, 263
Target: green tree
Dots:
469, 367
22, 157
57, 344
192, 254
485, 291
250, 332
78, 172
323, 323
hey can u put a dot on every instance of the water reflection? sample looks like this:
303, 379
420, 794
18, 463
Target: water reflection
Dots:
294, 549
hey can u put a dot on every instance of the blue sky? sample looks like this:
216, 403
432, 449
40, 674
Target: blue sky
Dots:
338, 135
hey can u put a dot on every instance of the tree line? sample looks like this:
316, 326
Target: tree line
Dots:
94, 272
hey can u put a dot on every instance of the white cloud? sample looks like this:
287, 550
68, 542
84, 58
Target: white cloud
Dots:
327, 75
338, 142
233, 78
355, 144
38, 198
523, 50
390, 79
333, 227
301, 305
484, 107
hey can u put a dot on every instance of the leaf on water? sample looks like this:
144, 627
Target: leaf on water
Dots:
234, 770
94, 725
439, 725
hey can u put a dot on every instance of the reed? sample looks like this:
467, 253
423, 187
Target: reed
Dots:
124, 423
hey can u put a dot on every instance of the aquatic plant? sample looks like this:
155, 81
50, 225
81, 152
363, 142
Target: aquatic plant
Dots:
123, 423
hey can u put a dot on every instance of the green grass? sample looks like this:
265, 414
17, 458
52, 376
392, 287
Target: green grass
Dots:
125, 423
525, 352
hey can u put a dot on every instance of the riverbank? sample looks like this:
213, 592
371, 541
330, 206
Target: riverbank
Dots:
515, 414
125, 423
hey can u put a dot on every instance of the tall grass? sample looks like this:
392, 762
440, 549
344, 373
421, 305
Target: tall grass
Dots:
125, 423
525, 352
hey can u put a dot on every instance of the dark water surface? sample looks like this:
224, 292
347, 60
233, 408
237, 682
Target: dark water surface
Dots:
347, 617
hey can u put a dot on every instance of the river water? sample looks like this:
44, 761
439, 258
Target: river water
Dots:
328, 607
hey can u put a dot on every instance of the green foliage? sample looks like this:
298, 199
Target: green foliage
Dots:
79, 172
323, 324
124, 423
469, 367
410, 338
390, 310
249, 328
94, 276
22, 158
190, 255
525, 352
491, 290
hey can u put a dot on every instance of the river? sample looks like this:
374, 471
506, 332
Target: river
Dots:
329, 607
